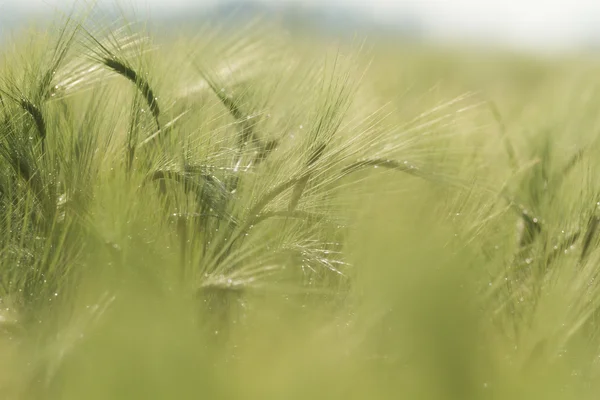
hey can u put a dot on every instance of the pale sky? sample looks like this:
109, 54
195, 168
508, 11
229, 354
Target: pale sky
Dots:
529, 23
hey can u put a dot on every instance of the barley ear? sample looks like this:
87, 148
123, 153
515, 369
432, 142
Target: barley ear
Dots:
38, 118
140, 82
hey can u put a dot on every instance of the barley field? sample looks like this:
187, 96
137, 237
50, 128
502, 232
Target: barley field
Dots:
251, 214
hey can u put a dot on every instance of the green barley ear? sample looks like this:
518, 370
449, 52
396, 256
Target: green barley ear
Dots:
126, 71
107, 52
41, 75
240, 60
33, 111
247, 134
38, 118
67, 36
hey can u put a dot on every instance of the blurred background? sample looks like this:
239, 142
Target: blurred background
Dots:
530, 25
